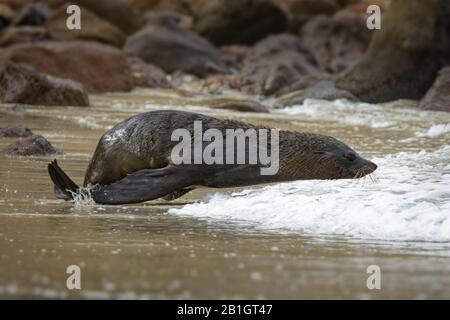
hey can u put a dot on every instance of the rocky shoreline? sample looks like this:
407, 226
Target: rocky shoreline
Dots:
288, 50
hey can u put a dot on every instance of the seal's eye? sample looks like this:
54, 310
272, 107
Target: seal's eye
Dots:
350, 156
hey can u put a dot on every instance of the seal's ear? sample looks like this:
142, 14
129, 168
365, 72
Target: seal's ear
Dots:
145, 185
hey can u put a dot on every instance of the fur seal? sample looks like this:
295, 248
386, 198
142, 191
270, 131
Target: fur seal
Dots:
132, 162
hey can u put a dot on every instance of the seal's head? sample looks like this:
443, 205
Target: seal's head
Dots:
329, 158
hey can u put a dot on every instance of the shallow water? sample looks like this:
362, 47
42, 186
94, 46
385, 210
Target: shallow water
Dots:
303, 239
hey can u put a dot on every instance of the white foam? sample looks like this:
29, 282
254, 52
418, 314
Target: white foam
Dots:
410, 201
435, 131
394, 115
341, 111
83, 196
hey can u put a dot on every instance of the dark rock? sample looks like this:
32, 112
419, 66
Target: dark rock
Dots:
22, 84
322, 89
438, 96
6, 15
237, 22
35, 145
301, 11
18, 110
336, 43
93, 28
33, 14
147, 75
180, 78
242, 106
17, 131
120, 13
273, 64
173, 48
100, 68
13, 35
404, 56
234, 55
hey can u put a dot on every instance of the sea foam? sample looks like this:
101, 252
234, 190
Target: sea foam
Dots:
409, 201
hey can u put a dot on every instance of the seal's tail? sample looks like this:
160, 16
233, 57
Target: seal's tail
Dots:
64, 186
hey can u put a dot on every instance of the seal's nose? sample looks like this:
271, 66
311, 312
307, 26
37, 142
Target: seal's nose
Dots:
369, 167
372, 166
364, 168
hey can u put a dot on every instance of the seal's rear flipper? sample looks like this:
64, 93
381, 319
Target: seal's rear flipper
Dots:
64, 186
145, 185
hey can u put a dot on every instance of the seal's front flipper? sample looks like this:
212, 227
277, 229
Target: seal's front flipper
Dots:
145, 185
177, 194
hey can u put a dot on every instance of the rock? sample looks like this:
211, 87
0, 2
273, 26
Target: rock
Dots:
34, 145
22, 84
182, 6
173, 48
179, 78
168, 18
100, 68
360, 8
405, 55
438, 96
273, 64
234, 55
33, 14
336, 43
237, 22
242, 106
18, 110
322, 89
301, 11
120, 13
93, 28
13, 35
6, 15
147, 75
17, 131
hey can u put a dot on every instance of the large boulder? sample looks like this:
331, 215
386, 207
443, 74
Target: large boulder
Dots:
22, 84
405, 55
237, 22
17, 131
32, 14
337, 43
100, 68
173, 48
273, 64
438, 96
21, 34
93, 28
34, 145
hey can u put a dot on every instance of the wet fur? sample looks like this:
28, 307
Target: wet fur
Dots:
132, 161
